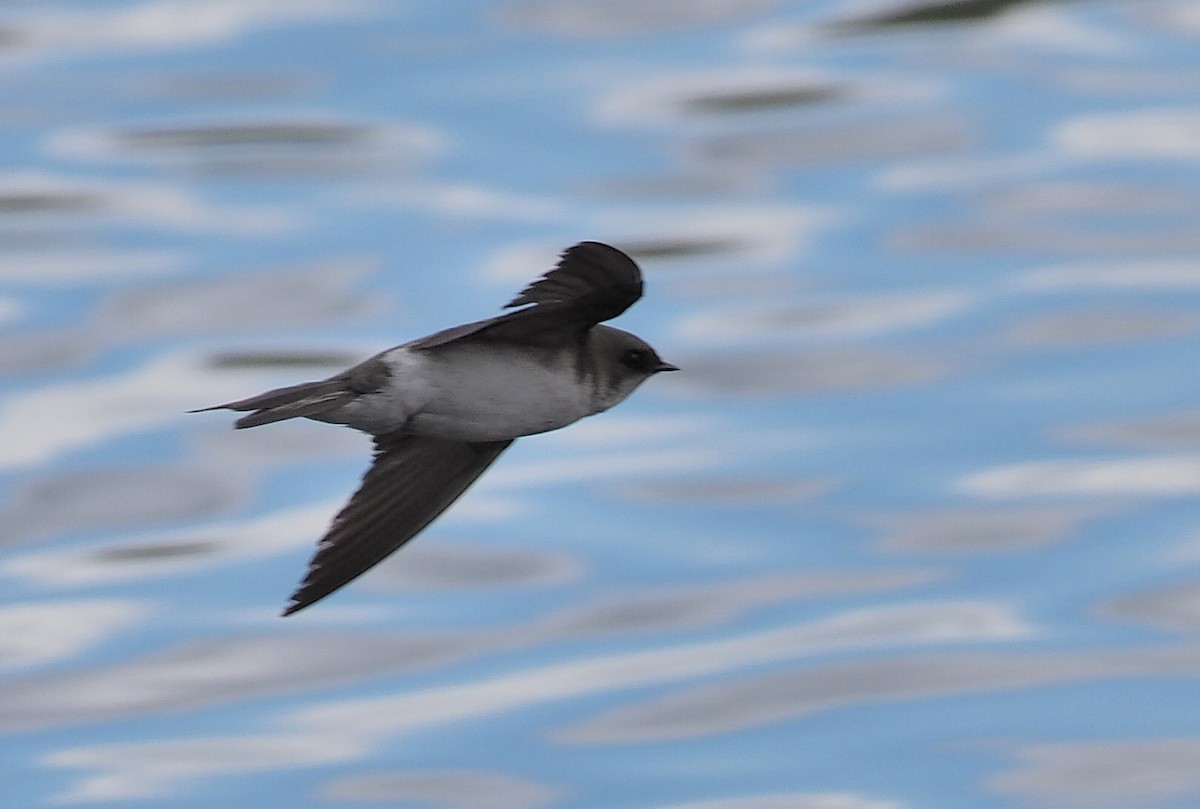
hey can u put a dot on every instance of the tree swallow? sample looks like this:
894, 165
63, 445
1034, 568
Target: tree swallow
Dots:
442, 408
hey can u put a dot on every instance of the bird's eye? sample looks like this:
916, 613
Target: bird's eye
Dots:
634, 358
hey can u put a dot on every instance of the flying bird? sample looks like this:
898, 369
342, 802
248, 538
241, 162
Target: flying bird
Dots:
442, 408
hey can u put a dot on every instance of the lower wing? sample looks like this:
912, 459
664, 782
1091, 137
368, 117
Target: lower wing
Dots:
412, 480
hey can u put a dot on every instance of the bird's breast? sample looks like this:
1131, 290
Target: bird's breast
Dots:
496, 392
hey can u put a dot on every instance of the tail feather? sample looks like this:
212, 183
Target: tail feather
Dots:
294, 401
305, 407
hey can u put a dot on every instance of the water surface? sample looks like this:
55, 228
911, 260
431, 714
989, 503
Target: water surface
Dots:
914, 527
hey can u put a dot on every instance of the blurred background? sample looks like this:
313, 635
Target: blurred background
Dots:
915, 527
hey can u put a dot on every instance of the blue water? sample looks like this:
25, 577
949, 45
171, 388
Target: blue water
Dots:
915, 526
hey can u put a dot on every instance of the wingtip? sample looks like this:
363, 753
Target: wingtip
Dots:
300, 600
292, 608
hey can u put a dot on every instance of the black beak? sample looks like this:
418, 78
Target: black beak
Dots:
665, 366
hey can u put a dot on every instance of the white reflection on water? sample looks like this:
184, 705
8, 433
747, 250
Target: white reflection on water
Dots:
1054, 237
464, 201
34, 633
1178, 15
988, 530
47, 422
1057, 31
1101, 326
43, 199
897, 624
437, 566
1142, 83
334, 731
825, 318
10, 310
1166, 134
700, 237
595, 466
59, 267
763, 699
456, 789
960, 173
210, 672
771, 150
687, 608
775, 372
150, 555
174, 552
144, 770
255, 300
157, 25
726, 490
1149, 275
94, 500
791, 800
615, 428
1086, 197
1119, 773
590, 18
1163, 476
251, 300
206, 672
274, 147
1173, 606
1164, 432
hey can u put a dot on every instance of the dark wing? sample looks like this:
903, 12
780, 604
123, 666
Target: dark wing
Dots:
600, 281
591, 283
412, 480
310, 398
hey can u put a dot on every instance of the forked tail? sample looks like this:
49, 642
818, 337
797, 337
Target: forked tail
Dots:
295, 401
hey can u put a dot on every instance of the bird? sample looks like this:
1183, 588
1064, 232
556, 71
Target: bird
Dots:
442, 408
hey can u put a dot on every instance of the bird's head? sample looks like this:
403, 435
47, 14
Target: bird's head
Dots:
624, 361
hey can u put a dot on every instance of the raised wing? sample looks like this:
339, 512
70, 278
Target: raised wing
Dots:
598, 280
412, 480
591, 283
